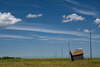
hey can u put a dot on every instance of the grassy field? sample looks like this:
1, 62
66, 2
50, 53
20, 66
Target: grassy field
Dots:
51, 62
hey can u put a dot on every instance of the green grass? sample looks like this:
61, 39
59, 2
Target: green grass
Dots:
50, 62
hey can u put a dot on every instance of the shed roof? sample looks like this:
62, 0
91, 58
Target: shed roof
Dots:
77, 52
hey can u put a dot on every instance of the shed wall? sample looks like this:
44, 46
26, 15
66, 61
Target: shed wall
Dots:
77, 57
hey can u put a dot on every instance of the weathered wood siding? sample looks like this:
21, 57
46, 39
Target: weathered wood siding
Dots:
77, 57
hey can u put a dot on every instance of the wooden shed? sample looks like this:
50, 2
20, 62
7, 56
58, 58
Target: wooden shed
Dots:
77, 54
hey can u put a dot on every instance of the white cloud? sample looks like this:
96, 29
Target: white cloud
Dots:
14, 36
7, 19
85, 12
72, 17
86, 30
64, 16
73, 2
34, 15
97, 21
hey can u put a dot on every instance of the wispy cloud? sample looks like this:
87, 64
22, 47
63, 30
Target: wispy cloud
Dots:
47, 30
85, 12
79, 29
45, 38
72, 17
59, 38
73, 2
89, 10
37, 6
7, 19
14, 36
96, 36
34, 15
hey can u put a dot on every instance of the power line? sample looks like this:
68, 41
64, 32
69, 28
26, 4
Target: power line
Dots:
61, 52
55, 54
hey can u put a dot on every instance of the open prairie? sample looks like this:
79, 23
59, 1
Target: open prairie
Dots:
50, 62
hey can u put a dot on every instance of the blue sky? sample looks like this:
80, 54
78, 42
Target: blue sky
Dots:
39, 28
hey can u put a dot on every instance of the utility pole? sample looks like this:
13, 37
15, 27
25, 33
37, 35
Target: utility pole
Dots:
56, 53
90, 45
69, 47
61, 52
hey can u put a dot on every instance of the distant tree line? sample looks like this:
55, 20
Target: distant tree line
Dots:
7, 57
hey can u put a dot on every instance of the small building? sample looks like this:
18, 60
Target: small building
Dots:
77, 54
